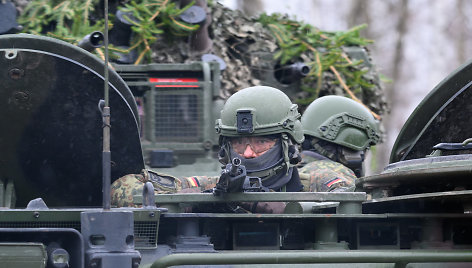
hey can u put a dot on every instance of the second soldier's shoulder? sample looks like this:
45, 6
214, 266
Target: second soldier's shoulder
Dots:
327, 166
326, 176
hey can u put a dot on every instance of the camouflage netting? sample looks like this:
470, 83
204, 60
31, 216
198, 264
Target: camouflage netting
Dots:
239, 41
231, 43
235, 37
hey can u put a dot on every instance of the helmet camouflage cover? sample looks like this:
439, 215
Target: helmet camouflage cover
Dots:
342, 121
257, 111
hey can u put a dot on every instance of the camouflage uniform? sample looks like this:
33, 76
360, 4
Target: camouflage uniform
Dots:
324, 175
125, 188
316, 176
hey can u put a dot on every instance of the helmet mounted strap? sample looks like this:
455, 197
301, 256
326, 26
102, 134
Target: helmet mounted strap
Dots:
286, 143
224, 152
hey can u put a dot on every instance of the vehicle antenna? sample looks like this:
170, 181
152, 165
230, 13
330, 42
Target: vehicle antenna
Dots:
106, 154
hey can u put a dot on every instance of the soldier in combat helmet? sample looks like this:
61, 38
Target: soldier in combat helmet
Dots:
338, 131
260, 126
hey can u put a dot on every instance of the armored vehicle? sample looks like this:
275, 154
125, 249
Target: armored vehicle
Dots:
414, 214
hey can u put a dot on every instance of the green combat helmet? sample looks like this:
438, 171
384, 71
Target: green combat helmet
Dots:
335, 120
257, 111
342, 121
262, 111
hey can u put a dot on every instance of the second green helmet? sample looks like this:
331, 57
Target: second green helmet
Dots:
257, 111
342, 121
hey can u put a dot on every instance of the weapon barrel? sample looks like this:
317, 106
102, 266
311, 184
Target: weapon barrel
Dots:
290, 73
297, 69
92, 41
234, 167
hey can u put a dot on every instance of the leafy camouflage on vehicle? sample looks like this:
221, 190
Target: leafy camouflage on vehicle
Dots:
243, 39
161, 36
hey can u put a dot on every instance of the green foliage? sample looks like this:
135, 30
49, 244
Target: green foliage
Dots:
325, 49
154, 17
71, 20
66, 20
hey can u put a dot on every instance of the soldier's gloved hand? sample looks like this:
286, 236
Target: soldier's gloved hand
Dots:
264, 207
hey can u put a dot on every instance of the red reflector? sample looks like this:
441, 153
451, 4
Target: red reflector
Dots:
174, 80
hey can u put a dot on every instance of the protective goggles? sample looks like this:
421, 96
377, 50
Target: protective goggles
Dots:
258, 144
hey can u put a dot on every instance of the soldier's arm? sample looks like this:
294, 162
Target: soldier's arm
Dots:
125, 188
201, 183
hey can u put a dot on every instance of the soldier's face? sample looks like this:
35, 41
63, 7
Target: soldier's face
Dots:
252, 147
